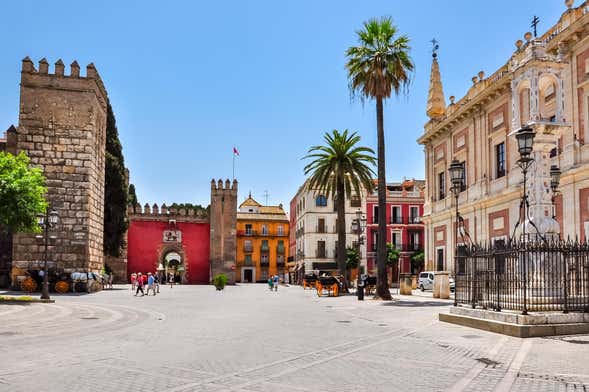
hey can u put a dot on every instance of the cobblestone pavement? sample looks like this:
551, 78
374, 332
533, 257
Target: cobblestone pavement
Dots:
245, 338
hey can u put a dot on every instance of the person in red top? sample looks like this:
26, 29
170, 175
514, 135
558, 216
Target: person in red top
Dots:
140, 284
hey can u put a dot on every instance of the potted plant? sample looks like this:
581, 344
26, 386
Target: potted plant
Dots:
219, 281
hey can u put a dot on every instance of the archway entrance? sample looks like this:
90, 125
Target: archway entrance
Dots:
173, 264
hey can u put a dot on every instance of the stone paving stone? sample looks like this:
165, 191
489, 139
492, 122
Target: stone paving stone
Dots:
192, 338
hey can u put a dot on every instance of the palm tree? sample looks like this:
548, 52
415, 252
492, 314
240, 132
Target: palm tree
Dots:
379, 66
340, 169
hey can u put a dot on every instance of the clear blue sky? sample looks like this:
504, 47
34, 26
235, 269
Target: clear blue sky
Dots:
190, 80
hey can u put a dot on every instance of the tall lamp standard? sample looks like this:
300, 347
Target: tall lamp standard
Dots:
46, 221
360, 227
525, 142
554, 182
456, 171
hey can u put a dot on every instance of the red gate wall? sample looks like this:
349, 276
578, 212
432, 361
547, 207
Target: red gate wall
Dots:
145, 244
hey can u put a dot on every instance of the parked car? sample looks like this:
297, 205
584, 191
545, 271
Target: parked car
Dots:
426, 281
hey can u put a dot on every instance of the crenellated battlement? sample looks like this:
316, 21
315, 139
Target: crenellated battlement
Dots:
165, 213
217, 187
32, 76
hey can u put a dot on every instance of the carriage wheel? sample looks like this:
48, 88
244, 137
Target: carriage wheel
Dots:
62, 287
319, 289
28, 285
335, 288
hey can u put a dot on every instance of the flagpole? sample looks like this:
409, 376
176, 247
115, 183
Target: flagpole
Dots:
234, 165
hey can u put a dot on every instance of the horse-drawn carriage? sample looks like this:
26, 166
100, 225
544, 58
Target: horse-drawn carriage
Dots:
309, 281
329, 285
370, 285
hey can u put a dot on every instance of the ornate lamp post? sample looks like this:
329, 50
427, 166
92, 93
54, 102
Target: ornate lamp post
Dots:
360, 227
525, 143
46, 221
456, 171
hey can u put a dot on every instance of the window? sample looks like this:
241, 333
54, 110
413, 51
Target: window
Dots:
396, 239
280, 247
414, 214
355, 201
321, 201
500, 160
248, 229
264, 229
265, 259
320, 249
280, 230
280, 260
396, 215
248, 260
247, 246
440, 260
463, 185
441, 186
375, 215
374, 240
265, 247
413, 240
321, 225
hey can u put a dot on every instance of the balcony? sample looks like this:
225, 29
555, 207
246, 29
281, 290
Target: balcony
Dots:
255, 233
280, 249
265, 263
414, 220
248, 248
280, 262
248, 262
396, 220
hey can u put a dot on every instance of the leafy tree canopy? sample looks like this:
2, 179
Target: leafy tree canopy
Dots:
393, 255
22, 190
353, 258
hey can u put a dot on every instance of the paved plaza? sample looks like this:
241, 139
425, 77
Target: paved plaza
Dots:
245, 338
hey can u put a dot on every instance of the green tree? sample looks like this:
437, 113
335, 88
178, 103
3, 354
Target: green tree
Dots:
352, 258
417, 260
393, 255
340, 168
379, 66
115, 190
133, 201
22, 191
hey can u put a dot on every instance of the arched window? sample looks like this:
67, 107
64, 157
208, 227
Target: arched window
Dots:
321, 201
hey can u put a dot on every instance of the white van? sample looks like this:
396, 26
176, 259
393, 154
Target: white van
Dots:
426, 281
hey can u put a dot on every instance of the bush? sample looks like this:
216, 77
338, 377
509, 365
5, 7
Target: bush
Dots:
220, 281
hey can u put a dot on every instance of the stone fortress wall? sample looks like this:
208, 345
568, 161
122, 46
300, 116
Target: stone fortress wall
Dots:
62, 128
223, 220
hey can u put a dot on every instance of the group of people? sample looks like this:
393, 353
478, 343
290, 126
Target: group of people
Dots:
152, 281
273, 282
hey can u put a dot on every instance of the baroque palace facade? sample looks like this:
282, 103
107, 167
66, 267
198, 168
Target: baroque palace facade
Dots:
544, 85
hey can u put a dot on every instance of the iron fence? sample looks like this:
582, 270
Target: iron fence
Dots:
526, 277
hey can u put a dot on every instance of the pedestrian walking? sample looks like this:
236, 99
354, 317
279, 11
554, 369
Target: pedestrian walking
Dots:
150, 283
139, 284
276, 282
171, 279
133, 282
110, 279
156, 278
270, 283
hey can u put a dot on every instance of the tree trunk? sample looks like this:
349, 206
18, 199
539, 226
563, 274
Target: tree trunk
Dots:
382, 286
341, 231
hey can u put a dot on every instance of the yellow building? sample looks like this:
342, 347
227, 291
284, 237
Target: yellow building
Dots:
262, 242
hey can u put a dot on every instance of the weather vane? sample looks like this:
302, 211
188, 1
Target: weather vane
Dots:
535, 22
435, 47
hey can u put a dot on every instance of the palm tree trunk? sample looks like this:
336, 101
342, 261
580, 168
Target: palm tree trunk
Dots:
341, 232
382, 286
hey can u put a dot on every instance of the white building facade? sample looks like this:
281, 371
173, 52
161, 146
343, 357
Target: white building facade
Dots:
315, 230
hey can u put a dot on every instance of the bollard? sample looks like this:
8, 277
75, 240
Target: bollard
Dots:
406, 284
442, 285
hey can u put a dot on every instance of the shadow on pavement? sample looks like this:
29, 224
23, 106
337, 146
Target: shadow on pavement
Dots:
416, 304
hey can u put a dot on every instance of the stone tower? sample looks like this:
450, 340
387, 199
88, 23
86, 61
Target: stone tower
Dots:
62, 128
223, 221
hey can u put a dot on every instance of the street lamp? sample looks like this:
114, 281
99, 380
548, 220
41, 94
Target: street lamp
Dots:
554, 182
525, 142
360, 227
46, 221
456, 171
